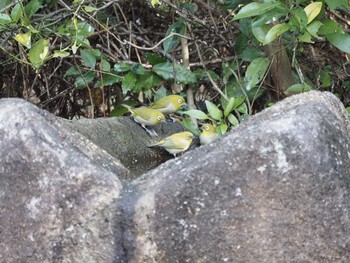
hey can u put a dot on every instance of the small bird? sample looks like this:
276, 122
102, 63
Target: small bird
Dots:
208, 134
146, 117
176, 143
169, 104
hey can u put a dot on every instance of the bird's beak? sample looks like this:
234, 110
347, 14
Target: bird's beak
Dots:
184, 106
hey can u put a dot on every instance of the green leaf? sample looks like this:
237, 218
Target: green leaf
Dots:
189, 125
312, 10
108, 80
60, 54
74, 28
184, 75
275, 31
260, 32
24, 39
241, 43
5, 19
75, 47
188, 7
155, 2
84, 29
119, 110
90, 9
297, 88
105, 65
306, 37
251, 53
237, 102
222, 128
270, 16
340, 41
243, 108
213, 110
38, 53
233, 4
138, 69
201, 74
154, 59
81, 41
178, 27
298, 19
335, 4
128, 82
147, 81
229, 106
4, 3
227, 69
96, 53
85, 80
330, 27
197, 114
17, 12
256, 71
122, 67
233, 120
313, 28
88, 58
32, 7
161, 92
245, 26
179, 72
255, 9
72, 71
326, 79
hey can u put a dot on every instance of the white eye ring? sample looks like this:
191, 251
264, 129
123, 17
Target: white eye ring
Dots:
206, 128
179, 101
159, 118
188, 137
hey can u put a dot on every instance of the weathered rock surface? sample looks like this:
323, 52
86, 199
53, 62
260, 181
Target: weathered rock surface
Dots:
58, 202
276, 189
125, 140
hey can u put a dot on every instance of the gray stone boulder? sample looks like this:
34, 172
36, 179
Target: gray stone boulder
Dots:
276, 189
125, 140
58, 191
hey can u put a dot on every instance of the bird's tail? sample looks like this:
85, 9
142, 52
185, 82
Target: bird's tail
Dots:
156, 144
126, 106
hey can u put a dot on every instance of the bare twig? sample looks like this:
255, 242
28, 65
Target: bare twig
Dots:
186, 63
214, 85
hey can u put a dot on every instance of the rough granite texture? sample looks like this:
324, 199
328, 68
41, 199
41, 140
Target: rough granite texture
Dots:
57, 201
275, 189
125, 140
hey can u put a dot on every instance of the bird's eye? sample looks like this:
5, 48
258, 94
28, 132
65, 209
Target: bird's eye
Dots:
206, 128
188, 137
179, 101
159, 118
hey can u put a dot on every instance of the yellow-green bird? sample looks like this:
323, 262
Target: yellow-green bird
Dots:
169, 104
176, 143
146, 117
208, 134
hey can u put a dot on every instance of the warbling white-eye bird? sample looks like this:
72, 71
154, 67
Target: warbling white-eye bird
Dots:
146, 117
176, 143
169, 104
208, 134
